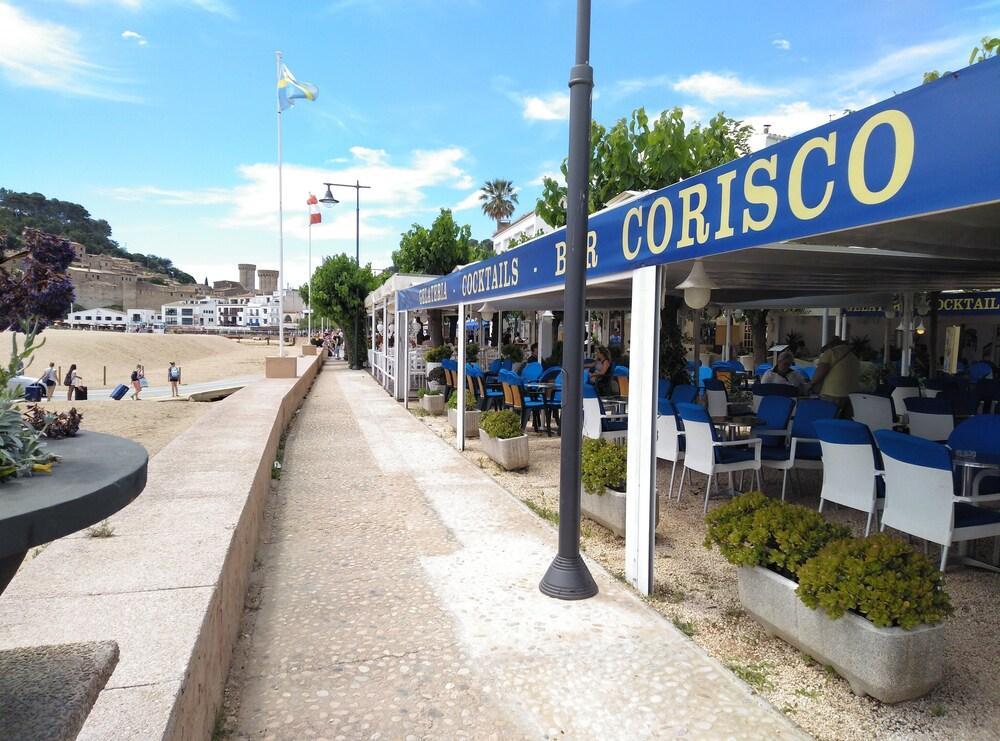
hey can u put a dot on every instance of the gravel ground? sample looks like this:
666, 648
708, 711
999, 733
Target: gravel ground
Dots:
696, 589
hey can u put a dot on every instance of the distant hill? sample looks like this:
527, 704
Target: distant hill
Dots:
74, 222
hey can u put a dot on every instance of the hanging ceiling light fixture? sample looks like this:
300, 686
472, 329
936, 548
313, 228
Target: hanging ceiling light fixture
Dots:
486, 312
328, 199
697, 287
920, 327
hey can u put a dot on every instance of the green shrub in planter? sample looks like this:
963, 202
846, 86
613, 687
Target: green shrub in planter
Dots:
503, 425
512, 352
437, 354
436, 375
471, 352
603, 465
880, 577
752, 530
428, 392
470, 401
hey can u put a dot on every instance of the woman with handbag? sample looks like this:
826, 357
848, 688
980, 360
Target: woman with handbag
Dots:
136, 380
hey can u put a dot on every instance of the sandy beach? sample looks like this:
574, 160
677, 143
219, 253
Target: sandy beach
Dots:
201, 357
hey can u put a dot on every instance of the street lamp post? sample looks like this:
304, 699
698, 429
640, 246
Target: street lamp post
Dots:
329, 200
568, 576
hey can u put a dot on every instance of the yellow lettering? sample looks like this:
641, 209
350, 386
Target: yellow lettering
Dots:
689, 214
902, 129
633, 213
799, 208
660, 204
725, 181
591, 250
560, 258
764, 195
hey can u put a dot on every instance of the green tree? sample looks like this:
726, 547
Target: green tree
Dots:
499, 199
632, 155
339, 289
988, 47
436, 251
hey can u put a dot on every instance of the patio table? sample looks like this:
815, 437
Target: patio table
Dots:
733, 422
970, 461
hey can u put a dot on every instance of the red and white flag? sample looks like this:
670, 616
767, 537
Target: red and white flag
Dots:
315, 217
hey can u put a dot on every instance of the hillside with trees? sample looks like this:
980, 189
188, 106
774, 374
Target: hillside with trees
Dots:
74, 222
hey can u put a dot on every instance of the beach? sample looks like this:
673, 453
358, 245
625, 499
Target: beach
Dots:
114, 355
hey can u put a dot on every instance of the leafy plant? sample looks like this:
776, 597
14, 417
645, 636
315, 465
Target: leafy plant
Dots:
53, 426
862, 347
880, 577
34, 285
512, 352
470, 401
603, 465
503, 425
753, 530
101, 530
436, 375
556, 358
471, 352
439, 353
795, 342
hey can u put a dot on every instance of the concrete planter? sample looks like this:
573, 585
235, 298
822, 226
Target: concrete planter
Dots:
510, 453
310, 350
890, 664
432, 403
471, 421
280, 367
608, 509
431, 366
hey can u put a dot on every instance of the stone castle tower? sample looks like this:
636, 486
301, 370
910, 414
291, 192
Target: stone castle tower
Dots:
268, 281
247, 279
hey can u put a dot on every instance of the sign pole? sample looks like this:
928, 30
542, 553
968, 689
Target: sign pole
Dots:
568, 577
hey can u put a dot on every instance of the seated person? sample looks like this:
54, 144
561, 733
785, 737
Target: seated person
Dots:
600, 373
783, 373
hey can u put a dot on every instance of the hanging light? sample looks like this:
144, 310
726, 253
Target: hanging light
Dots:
920, 327
697, 287
548, 314
486, 312
328, 200
900, 328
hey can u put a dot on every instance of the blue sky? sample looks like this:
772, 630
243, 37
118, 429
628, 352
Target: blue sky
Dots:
159, 115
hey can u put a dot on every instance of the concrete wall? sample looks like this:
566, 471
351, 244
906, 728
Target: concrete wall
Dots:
169, 586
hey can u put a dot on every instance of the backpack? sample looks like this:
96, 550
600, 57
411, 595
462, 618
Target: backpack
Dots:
173, 373
68, 380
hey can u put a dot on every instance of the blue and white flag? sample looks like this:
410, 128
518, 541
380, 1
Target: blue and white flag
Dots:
289, 89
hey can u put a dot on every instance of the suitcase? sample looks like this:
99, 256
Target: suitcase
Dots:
34, 392
118, 393
80, 394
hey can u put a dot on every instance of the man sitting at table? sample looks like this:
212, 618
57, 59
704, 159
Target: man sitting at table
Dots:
600, 373
784, 373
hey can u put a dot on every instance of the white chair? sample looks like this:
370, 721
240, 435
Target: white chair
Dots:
803, 450
852, 474
599, 425
873, 411
669, 440
716, 400
920, 495
705, 453
899, 396
930, 419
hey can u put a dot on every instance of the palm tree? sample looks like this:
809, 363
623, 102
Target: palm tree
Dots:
498, 199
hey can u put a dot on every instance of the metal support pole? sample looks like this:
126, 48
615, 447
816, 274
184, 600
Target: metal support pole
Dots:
904, 361
460, 381
729, 335
567, 576
824, 333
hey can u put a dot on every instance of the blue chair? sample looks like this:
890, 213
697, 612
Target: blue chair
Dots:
683, 394
620, 374
803, 449
930, 418
980, 370
761, 369
485, 396
761, 390
706, 453
704, 373
981, 434
716, 398
531, 371
597, 423
663, 388
775, 411
520, 401
450, 368
920, 494
852, 467
963, 398
553, 398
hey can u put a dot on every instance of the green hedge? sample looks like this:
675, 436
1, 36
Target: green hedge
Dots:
439, 353
603, 465
470, 401
503, 425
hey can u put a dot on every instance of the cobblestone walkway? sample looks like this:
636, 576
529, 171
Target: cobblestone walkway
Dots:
400, 600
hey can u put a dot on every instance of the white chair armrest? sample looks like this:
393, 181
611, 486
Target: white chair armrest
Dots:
755, 441
614, 416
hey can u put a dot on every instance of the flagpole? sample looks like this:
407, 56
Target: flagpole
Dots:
281, 231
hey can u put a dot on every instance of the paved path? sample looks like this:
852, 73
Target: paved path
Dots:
400, 600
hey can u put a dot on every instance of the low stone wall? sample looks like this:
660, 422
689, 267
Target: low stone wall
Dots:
169, 585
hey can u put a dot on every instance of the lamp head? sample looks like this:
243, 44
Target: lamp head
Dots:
328, 199
486, 312
697, 287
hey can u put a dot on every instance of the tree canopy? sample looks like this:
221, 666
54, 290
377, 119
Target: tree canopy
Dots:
339, 289
499, 199
439, 249
632, 155
987, 48
71, 221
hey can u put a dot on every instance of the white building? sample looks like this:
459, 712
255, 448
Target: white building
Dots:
262, 311
195, 312
528, 226
101, 317
139, 319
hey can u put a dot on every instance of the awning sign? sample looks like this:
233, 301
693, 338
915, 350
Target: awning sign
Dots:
891, 161
982, 303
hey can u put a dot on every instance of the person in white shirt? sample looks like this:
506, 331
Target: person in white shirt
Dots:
783, 373
51, 380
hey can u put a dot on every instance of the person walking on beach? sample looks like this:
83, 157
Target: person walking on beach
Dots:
50, 380
173, 378
70, 382
136, 383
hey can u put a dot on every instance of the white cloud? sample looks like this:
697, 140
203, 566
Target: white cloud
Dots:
553, 174
789, 119
908, 63
136, 36
711, 86
464, 183
552, 107
469, 202
783, 44
170, 196
692, 114
36, 53
638, 84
